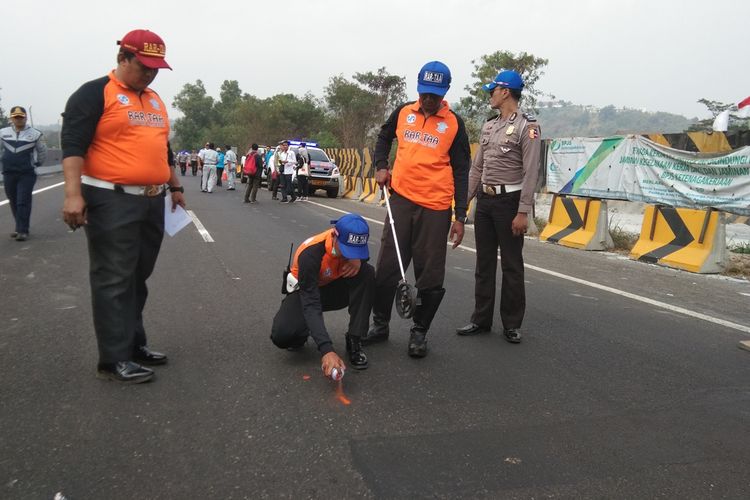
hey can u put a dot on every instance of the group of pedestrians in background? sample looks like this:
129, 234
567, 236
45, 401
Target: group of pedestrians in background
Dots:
280, 166
214, 165
213, 161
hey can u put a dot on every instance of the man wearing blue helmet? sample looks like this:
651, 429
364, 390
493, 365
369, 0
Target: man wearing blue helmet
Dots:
329, 272
429, 176
503, 177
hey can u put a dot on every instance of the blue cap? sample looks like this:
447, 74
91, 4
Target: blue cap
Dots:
434, 78
507, 79
353, 235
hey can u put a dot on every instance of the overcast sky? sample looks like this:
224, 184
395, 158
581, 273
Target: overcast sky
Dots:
658, 55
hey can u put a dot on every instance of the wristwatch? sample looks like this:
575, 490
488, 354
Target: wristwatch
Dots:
462, 220
177, 189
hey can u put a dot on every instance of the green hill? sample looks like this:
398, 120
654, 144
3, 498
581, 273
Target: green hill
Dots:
564, 119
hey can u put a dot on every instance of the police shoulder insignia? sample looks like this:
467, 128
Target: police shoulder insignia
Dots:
492, 118
530, 117
533, 131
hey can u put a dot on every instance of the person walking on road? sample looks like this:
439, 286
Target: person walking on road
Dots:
430, 173
503, 177
182, 160
276, 174
22, 148
194, 163
116, 160
329, 272
303, 170
230, 163
219, 166
253, 169
208, 158
288, 163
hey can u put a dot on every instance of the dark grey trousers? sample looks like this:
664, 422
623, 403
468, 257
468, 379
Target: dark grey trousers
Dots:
253, 184
422, 238
124, 235
492, 229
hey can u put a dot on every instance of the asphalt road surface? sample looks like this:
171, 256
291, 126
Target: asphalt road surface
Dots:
629, 382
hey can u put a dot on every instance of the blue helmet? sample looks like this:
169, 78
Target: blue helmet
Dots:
507, 79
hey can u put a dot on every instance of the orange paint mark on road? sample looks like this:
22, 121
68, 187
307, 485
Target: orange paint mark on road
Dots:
305, 377
340, 395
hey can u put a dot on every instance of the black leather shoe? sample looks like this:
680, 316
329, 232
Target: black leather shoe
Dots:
378, 332
125, 372
146, 356
357, 356
418, 344
512, 335
471, 329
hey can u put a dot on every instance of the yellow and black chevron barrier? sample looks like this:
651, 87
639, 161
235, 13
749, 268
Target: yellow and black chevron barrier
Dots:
683, 238
370, 190
578, 223
697, 142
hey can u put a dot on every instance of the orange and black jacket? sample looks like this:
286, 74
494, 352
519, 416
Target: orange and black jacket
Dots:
122, 135
316, 264
433, 156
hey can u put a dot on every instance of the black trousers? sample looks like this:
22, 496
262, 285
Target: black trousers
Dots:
124, 235
302, 185
18, 188
289, 326
492, 228
422, 237
219, 172
288, 188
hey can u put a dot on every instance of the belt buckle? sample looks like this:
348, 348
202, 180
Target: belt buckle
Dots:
490, 190
151, 190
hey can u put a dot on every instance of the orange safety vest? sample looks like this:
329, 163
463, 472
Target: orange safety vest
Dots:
130, 143
422, 170
330, 266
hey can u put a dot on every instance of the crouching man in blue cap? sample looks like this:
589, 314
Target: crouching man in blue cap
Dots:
329, 272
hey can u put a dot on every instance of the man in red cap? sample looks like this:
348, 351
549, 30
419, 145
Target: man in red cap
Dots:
116, 161
21, 149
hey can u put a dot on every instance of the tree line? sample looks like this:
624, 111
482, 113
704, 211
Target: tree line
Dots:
348, 115
351, 110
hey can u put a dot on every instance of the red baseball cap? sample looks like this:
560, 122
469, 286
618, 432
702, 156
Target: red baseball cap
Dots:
147, 46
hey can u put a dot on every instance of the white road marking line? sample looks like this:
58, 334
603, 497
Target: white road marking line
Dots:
622, 293
5, 202
344, 212
206, 235
745, 294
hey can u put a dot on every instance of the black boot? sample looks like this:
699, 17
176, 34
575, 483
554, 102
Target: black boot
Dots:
378, 332
381, 315
357, 356
428, 302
